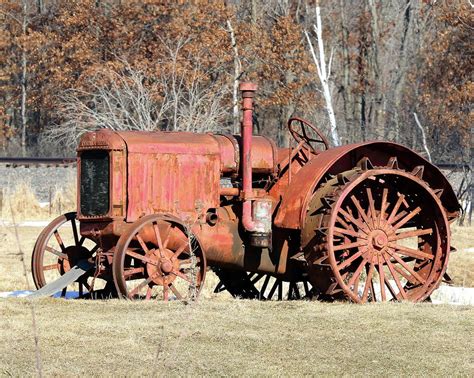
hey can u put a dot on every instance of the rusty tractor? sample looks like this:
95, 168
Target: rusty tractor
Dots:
360, 222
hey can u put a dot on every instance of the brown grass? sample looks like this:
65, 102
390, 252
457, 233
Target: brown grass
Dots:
237, 338
461, 263
21, 203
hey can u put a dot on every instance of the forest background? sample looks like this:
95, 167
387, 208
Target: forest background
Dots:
395, 70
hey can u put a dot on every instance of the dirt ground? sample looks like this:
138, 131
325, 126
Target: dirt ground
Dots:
223, 336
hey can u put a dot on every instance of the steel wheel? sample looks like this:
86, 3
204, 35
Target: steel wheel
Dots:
262, 286
383, 234
159, 258
59, 247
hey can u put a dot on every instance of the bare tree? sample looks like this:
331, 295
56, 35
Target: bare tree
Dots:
122, 103
324, 73
175, 100
237, 74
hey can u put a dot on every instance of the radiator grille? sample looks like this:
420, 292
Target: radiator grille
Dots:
94, 183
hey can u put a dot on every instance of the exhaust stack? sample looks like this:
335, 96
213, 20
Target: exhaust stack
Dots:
259, 221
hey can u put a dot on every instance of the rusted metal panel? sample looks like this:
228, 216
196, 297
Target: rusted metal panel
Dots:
294, 205
172, 183
170, 143
264, 154
101, 139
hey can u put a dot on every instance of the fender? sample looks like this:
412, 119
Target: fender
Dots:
294, 205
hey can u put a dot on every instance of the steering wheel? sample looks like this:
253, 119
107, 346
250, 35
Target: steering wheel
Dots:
302, 136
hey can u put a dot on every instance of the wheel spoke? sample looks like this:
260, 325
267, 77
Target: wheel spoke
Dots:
74, 231
384, 205
343, 223
306, 288
142, 244
410, 252
382, 278
168, 236
407, 218
358, 243
179, 251
59, 240
399, 216
368, 283
141, 286
399, 202
132, 271
351, 259
361, 211
165, 292
409, 269
257, 278
81, 240
350, 218
148, 293
188, 261
355, 276
62, 256
373, 215
345, 231
177, 273
410, 234
158, 238
175, 291
264, 286
51, 267
296, 291
272, 290
141, 257
395, 277
220, 287
390, 288
86, 285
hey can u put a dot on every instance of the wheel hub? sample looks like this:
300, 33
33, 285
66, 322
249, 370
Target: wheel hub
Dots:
74, 254
161, 266
379, 240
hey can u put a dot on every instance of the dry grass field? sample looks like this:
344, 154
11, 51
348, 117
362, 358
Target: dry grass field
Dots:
236, 338
223, 336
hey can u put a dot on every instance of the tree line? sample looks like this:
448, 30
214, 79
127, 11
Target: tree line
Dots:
358, 69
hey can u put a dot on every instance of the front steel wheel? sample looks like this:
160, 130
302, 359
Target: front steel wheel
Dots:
381, 234
159, 258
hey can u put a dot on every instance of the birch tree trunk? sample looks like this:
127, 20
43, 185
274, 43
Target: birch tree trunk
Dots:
324, 73
423, 137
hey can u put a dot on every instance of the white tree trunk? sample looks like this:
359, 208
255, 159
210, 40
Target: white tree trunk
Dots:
324, 73
423, 137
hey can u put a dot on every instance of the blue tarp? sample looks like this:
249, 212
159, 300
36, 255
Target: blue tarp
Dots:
25, 293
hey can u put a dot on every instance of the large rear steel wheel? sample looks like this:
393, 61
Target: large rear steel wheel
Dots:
377, 234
